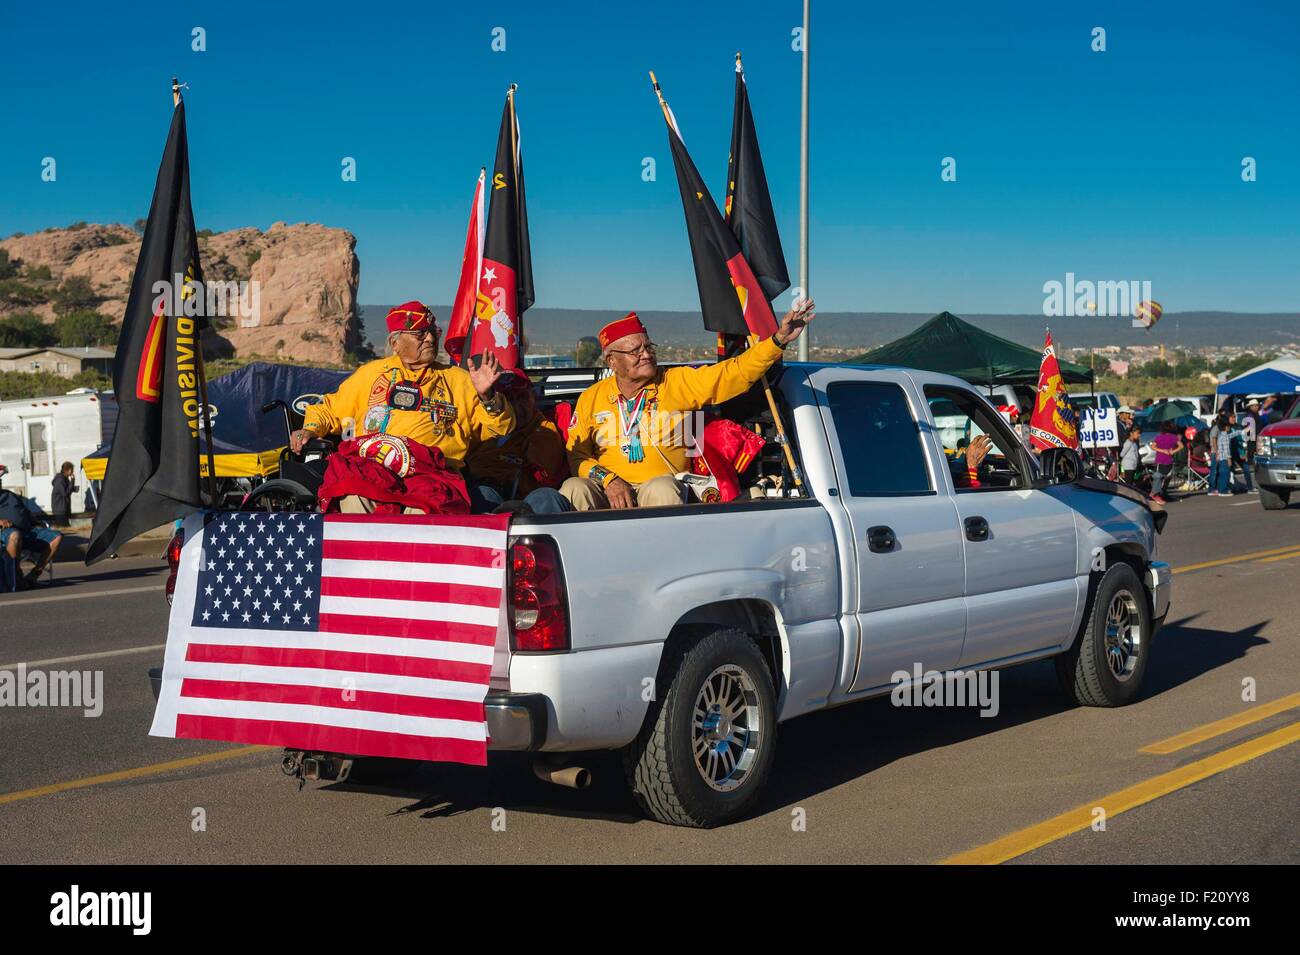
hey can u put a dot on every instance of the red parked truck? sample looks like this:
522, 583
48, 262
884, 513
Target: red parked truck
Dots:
1277, 460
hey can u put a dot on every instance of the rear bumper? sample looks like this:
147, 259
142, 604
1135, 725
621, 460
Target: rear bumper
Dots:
1279, 475
515, 721
1160, 581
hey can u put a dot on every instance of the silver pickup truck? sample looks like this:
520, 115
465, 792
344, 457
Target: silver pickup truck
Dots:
683, 636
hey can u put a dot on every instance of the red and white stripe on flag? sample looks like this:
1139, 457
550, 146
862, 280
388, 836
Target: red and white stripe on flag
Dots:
368, 635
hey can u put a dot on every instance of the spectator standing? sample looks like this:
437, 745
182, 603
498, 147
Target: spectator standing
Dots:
1222, 432
1130, 455
1167, 443
1252, 422
61, 495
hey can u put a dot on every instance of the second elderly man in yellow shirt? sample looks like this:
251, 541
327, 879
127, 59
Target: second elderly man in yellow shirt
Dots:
627, 440
410, 395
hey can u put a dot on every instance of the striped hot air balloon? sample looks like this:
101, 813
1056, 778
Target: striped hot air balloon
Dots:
1147, 313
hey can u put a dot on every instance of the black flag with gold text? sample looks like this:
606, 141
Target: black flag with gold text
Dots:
153, 468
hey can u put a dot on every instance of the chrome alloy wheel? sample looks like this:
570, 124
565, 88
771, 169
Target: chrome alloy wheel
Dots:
726, 727
1123, 635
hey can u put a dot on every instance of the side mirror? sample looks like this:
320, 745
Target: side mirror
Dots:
1061, 465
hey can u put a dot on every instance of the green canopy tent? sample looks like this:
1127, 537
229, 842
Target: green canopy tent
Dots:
948, 345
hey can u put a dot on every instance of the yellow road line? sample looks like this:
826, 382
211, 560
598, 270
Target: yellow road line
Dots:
1291, 551
1026, 840
1269, 560
136, 773
1201, 733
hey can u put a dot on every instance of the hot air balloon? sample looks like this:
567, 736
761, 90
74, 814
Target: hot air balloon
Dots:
1147, 313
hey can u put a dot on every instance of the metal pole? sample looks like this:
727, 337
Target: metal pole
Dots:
803, 184
203, 378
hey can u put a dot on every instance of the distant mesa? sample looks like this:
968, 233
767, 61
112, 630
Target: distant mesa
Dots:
306, 275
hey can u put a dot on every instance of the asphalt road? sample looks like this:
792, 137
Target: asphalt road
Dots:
869, 782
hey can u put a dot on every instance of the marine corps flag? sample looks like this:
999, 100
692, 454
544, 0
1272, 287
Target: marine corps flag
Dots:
153, 473
471, 267
1054, 422
505, 288
731, 298
748, 209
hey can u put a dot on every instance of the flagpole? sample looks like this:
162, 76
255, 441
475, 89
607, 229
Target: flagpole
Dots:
514, 165
782, 438
202, 371
803, 182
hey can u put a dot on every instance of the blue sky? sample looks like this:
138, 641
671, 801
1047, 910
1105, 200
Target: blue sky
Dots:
1117, 165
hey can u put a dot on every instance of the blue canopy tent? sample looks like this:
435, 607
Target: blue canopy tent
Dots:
246, 442
1266, 381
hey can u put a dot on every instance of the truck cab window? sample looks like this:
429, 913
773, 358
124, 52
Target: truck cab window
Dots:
961, 418
879, 440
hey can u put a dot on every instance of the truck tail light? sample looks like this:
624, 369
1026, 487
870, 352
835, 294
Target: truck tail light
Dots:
539, 617
173, 562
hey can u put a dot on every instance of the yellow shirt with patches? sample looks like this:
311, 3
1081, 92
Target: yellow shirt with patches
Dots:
452, 418
595, 439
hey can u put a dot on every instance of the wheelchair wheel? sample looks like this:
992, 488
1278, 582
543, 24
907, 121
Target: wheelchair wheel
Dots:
279, 495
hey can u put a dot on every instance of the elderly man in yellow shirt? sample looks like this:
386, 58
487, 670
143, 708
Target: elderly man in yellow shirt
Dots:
627, 441
411, 395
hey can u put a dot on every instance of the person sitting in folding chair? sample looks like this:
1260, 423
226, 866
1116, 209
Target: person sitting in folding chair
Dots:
20, 533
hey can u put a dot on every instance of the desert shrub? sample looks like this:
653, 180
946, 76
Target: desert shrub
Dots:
76, 294
85, 328
25, 330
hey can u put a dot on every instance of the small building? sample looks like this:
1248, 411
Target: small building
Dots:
68, 362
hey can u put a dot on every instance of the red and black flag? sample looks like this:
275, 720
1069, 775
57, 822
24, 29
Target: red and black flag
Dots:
748, 209
505, 288
471, 268
153, 471
731, 298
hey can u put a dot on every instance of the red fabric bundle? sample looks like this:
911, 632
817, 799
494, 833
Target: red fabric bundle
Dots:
727, 451
429, 486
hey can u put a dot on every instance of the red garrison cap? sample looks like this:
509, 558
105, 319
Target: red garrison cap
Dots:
629, 324
410, 317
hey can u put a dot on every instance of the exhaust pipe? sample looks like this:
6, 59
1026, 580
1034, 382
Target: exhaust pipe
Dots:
572, 777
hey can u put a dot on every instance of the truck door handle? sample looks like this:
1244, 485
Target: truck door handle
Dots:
881, 539
977, 529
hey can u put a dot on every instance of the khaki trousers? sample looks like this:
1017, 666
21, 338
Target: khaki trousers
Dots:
355, 504
587, 495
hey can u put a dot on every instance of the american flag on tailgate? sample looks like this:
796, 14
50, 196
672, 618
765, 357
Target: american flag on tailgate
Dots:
370, 635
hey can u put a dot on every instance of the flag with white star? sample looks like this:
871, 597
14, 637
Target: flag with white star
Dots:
368, 635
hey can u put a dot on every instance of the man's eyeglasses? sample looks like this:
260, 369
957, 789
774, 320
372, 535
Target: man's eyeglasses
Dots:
648, 348
422, 333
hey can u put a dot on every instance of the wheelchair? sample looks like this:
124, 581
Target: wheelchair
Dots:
294, 489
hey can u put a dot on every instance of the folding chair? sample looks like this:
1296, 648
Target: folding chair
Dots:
1198, 472
8, 574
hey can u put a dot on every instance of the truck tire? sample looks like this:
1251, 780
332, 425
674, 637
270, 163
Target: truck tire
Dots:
1106, 664
1274, 500
703, 772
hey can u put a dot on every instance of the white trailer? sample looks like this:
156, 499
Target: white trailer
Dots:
38, 434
